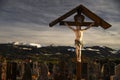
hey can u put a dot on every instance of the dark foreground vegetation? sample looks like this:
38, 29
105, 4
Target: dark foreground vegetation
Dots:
57, 62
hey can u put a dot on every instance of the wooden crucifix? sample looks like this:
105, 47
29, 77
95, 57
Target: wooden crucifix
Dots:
79, 19
79, 22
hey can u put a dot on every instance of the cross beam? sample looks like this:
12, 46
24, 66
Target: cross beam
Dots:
78, 24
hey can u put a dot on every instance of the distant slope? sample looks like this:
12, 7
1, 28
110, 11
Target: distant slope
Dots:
92, 52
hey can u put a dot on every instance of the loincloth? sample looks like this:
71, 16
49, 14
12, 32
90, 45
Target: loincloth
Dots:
78, 43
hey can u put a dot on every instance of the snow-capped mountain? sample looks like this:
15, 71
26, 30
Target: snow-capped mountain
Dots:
28, 44
100, 51
94, 52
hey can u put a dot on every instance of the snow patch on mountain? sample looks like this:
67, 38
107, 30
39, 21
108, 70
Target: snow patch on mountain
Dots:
28, 44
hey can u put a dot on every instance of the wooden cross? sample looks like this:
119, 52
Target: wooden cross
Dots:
81, 9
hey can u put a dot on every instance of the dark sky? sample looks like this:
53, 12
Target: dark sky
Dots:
27, 21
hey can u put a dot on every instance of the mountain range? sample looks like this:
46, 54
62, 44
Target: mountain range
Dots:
25, 49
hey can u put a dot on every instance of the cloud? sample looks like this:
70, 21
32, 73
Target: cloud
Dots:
27, 21
57, 35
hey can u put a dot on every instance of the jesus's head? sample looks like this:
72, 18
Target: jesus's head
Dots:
79, 18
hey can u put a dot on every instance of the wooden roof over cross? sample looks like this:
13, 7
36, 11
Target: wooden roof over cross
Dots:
81, 9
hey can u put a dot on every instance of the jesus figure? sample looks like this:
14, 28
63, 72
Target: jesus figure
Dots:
78, 34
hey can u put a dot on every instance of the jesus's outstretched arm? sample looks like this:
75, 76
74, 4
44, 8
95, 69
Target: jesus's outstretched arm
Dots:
70, 27
88, 27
